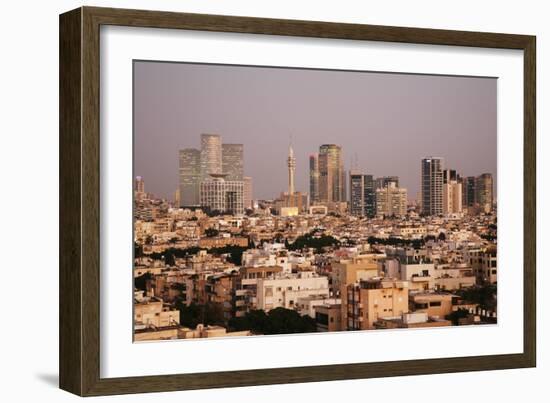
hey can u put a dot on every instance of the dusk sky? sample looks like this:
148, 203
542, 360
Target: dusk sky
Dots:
386, 122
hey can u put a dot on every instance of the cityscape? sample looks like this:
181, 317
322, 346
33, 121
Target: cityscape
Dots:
351, 251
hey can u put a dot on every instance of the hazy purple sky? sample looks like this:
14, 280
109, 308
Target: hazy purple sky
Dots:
387, 122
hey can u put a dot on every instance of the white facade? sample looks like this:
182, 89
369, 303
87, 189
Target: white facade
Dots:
285, 291
452, 197
218, 194
419, 275
307, 305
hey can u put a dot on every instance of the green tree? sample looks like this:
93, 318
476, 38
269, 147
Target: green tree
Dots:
277, 321
169, 258
140, 282
211, 232
485, 296
457, 315
287, 321
312, 241
193, 314
138, 250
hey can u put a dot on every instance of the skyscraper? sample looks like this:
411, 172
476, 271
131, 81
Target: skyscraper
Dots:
247, 192
452, 197
217, 194
232, 161
139, 188
484, 192
452, 192
450, 175
189, 176
211, 155
361, 194
314, 178
432, 186
468, 191
391, 201
382, 182
331, 174
291, 163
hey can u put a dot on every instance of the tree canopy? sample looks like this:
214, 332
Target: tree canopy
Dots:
316, 242
276, 321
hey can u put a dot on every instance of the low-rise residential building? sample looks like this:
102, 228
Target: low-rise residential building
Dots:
434, 304
328, 317
371, 300
285, 291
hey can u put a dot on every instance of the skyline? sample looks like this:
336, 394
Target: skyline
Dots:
467, 105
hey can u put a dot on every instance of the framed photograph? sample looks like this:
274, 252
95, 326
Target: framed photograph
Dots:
248, 201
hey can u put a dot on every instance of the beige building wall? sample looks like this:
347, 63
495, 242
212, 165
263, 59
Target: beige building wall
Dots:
153, 313
391, 200
452, 197
350, 271
433, 304
376, 299
328, 318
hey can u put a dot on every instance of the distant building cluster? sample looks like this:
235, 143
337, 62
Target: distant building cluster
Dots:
353, 253
212, 177
444, 191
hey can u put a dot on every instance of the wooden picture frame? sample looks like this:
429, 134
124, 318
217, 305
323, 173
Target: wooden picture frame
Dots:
79, 201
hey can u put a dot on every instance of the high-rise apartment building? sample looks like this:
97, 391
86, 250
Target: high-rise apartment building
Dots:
232, 161
432, 186
331, 174
189, 176
139, 188
484, 192
468, 191
452, 197
177, 200
450, 175
215, 163
384, 181
211, 155
217, 194
362, 195
314, 178
247, 195
391, 201
452, 192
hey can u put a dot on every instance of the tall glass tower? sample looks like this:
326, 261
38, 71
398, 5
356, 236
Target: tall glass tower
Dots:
211, 155
432, 186
189, 176
331, 174
314, 178
232, 161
